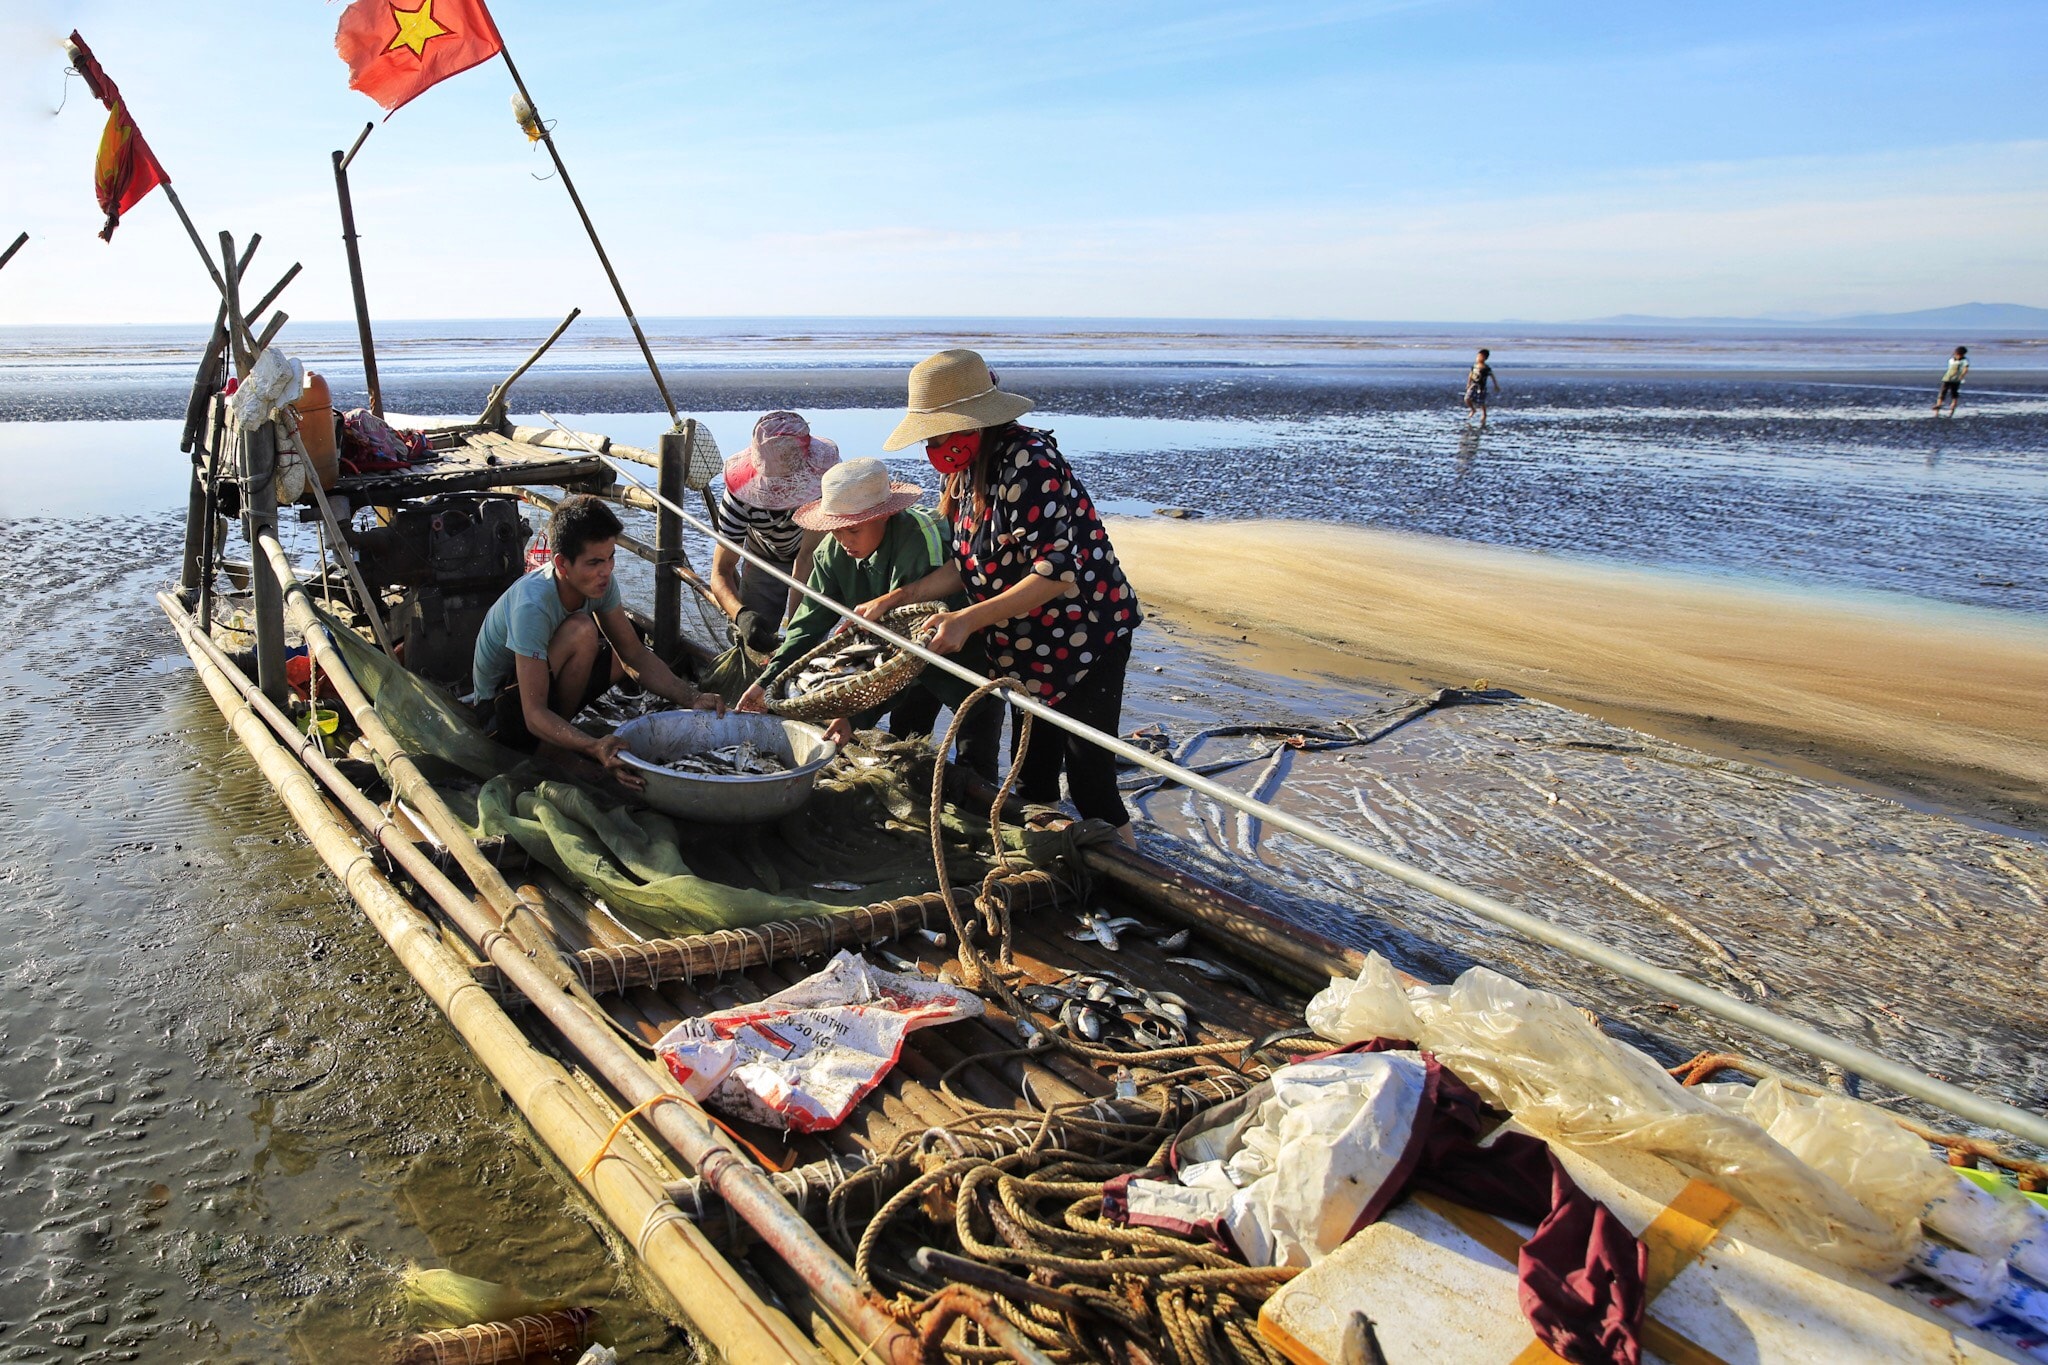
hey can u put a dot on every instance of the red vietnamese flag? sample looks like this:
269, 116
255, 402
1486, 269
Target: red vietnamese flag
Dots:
125, 168
393, 53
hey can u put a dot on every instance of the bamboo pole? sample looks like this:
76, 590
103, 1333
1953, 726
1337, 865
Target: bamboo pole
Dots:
681, 1124
668, 539
544, 1336
548, 139
209, 533
494, 406
516, 909
630, 1193
654, 962
355, 269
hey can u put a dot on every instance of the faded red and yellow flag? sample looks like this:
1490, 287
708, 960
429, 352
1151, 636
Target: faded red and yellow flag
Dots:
394, 52
125, 169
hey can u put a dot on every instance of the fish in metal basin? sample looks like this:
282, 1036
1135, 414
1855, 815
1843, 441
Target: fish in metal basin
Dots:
734, 760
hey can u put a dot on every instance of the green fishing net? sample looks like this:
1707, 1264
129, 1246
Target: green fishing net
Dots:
863, 836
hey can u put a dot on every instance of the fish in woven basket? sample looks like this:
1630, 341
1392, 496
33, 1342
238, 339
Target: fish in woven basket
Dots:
840, 665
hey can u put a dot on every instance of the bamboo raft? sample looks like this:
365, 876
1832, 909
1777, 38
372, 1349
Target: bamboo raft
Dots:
787, 1295
867, 1241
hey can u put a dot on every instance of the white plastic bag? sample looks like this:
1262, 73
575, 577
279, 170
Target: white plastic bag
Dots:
275, 379
1531, 1053
805, 1056
1290, 1178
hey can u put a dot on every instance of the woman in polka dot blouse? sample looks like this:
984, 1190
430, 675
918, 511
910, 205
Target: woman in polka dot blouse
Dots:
1041, 579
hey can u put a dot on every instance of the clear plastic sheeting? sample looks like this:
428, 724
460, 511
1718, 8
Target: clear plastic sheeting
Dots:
1890, 1171
1544, 1061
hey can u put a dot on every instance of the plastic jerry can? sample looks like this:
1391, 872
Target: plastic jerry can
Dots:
316, 430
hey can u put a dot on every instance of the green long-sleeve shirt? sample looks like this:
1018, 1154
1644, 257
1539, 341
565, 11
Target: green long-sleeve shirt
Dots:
913, 544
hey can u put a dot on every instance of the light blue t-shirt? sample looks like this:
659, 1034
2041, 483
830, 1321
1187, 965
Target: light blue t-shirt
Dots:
522, 622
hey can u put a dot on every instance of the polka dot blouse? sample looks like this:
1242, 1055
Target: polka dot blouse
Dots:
1040, 521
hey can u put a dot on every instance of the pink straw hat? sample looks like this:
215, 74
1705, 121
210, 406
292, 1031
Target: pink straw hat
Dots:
854, 492
781, 469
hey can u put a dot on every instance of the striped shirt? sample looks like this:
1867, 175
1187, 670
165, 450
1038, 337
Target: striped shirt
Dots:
773, 535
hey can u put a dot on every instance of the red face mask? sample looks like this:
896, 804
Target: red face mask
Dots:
951, 454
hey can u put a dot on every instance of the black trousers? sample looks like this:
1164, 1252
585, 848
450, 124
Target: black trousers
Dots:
916, 712
1090, 769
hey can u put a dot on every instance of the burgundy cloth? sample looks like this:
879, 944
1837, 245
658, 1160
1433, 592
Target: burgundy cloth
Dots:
1582, 1271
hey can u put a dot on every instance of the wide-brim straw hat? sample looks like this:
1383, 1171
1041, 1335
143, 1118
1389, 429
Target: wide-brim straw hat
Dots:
854, 492
953, 391
781, 469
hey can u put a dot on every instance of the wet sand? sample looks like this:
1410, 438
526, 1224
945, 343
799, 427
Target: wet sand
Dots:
1943, 702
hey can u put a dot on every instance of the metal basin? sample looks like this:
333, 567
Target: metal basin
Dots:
666, 736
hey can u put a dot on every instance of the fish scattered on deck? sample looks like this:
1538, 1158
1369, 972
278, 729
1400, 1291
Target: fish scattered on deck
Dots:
1216, 971
1095, 1005
1097, 928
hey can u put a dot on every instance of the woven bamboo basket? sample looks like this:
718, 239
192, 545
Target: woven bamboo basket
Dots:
861, 692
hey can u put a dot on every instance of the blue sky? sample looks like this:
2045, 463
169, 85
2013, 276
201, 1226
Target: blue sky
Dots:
1434, 161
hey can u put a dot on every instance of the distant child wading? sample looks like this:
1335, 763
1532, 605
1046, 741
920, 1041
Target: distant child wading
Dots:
1475, 386
1952, 380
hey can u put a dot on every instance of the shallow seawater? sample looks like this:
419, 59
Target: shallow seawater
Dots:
228, 1119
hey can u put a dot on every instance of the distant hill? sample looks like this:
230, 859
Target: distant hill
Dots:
2011, 316
1976, 317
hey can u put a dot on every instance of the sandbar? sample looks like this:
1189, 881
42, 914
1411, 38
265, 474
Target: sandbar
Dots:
1945, 702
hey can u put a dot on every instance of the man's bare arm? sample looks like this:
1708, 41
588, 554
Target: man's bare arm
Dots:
647, 669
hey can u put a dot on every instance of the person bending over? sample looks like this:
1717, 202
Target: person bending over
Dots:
880, 541
764, 483
1042, 582
559, 638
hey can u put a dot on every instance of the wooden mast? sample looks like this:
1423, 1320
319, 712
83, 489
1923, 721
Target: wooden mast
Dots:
355, 269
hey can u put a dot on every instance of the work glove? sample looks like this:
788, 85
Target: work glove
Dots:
756, 631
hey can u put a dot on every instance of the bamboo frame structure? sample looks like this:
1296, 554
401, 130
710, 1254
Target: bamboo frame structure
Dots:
630, 1192
553, 988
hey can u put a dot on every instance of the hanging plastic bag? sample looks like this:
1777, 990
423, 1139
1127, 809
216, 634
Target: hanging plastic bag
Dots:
275, 379
1536, 1056
805, 1056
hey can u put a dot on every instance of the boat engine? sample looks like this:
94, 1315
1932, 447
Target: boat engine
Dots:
455, 555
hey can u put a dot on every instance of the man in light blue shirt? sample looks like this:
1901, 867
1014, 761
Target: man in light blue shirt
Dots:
559, 638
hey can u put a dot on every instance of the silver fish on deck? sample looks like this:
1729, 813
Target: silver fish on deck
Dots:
1098, 928
1216, 971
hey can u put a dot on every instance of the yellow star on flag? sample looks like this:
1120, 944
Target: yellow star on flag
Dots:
416, 28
